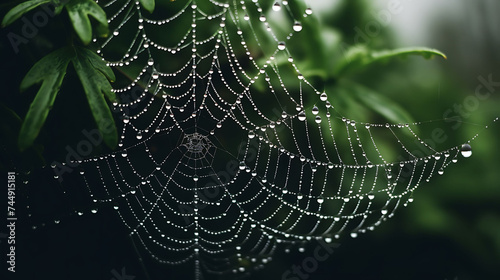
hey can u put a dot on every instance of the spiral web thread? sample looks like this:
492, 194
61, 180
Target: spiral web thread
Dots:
210, 171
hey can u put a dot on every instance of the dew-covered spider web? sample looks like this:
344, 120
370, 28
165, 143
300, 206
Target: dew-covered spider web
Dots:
227, 152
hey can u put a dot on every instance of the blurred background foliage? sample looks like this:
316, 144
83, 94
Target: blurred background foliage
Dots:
452, 229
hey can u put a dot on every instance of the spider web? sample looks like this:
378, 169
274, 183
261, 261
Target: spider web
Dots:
214, 172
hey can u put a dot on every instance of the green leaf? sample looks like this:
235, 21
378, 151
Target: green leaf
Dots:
59, 7
389, 109
21, 9
49, 71
359, 57
94, 76
79, 12
99, 64
149, 5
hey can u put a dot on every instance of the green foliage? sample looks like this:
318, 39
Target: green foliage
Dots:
95, 77
149, 5
19, 10
50, 71
380, 104
360, 57
79, 12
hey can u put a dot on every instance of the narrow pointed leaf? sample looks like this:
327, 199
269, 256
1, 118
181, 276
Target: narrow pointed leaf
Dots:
95, 85
149, 5
49, 71
19, 10
359, 57
99, 64
378, 103
79, 12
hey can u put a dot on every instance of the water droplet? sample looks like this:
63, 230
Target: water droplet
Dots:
371, 196
354, 234
330, 165
195, 178
139, 136
315, 110
132, 191
297, 26
300, 196
302, 116
56, 221
328, 239
151, 62
251, 134
383, 211
323, 97
115, 207
242, 165
246, 17
124, 154
281, 46
93, 211
441, 172
320, 199
276, 6
262, 18
466, 150
219, 125
318, 119
309, 11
